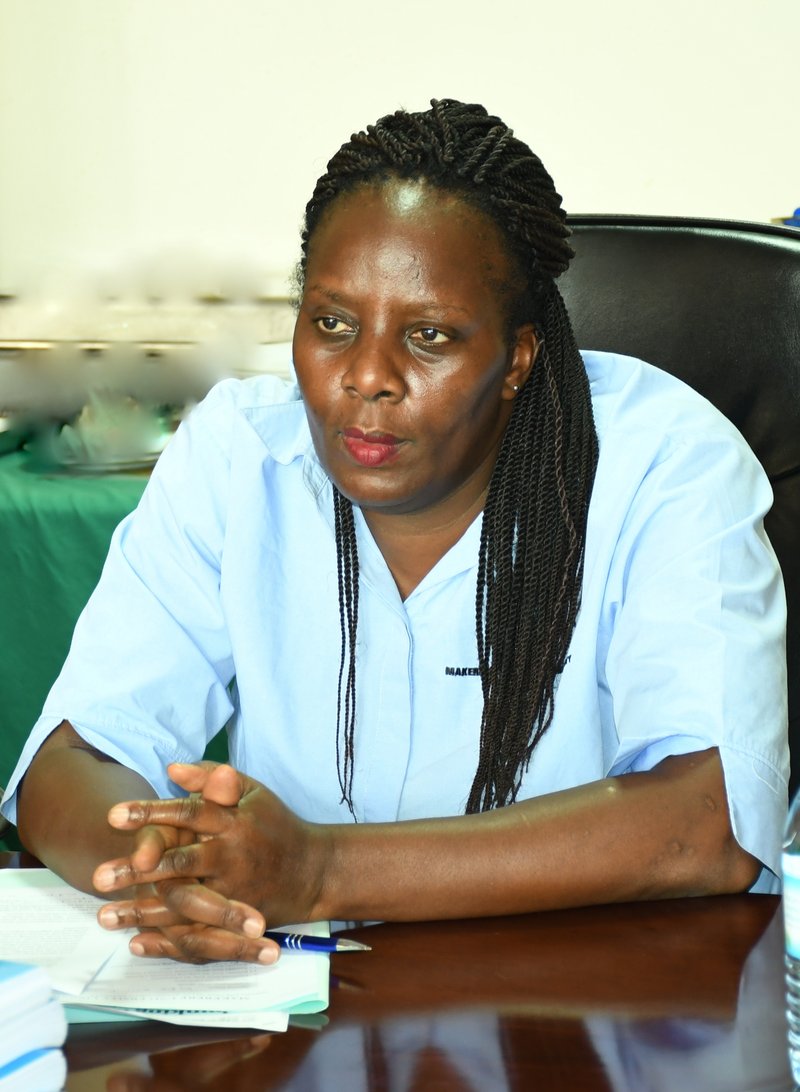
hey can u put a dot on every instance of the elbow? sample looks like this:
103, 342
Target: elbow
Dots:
717, 867
739, 869
702, 855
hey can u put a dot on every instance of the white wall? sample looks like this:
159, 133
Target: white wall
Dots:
131, 128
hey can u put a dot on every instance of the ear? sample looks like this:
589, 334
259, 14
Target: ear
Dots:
523, 352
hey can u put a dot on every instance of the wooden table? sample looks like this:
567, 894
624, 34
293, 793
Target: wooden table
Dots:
684, 995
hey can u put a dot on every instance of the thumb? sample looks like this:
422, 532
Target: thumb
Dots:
220, 784
191, 776
225, 785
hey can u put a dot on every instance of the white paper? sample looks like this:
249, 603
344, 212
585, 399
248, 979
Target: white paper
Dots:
46, 922
260, 1020
126, 981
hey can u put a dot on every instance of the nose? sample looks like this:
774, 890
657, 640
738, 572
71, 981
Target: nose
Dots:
373, 372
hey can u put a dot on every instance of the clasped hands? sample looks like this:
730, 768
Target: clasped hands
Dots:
209, 870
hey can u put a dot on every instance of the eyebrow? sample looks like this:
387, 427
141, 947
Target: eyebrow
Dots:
432, 306
329, 293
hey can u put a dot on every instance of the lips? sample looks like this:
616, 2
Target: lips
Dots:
371, 448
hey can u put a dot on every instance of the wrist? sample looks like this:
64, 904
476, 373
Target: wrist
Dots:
321, 856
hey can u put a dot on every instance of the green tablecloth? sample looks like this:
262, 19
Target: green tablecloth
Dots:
54, 535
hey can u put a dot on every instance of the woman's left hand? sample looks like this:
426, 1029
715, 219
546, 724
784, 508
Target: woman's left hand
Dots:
251, 857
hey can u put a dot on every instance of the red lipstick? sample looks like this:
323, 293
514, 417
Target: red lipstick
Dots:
370, 448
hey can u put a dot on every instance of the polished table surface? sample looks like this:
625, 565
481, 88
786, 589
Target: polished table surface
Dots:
683, 995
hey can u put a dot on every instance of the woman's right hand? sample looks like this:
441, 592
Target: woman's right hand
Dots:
196, 924
82, 785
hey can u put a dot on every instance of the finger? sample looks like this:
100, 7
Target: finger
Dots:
226, 786
221, 784
191, 813
181, 862
142, 913
182, 902
203, 944
150, 845
191, 776
198, 903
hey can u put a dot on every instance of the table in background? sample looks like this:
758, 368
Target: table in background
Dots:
54, 535
684, 995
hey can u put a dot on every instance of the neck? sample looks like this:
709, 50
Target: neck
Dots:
414, 543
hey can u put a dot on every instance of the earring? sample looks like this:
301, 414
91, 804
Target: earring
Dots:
515, 387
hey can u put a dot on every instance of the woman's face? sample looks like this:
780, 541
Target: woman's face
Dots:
401, 352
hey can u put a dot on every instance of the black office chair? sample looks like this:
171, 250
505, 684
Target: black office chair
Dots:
716, 303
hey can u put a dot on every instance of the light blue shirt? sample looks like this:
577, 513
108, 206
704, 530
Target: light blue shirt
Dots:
218, 606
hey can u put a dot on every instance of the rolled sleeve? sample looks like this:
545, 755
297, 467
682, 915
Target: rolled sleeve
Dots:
150, 666
697, 656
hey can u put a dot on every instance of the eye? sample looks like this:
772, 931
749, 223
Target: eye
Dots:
430, 335
331, 324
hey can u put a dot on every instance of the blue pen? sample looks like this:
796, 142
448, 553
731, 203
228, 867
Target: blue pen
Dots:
303, 942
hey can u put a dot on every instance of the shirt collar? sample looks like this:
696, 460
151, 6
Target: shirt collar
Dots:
281, 422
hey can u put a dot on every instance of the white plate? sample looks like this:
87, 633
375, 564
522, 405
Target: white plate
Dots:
111, 466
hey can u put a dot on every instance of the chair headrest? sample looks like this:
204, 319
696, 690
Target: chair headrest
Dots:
716, 303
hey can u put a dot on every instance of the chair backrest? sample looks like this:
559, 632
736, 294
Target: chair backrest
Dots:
716, 303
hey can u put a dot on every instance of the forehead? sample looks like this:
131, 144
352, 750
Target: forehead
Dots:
414, 222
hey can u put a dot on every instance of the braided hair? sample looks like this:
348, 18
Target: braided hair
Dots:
531, 555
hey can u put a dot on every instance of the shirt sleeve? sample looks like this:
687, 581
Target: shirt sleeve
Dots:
697, 653
148, 673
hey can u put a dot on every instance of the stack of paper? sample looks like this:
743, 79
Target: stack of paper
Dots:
32, 1030
46, 922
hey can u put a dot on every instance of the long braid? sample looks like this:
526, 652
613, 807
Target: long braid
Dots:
347, 566
531, 560
531, 555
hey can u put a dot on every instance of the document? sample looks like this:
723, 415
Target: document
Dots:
46, 922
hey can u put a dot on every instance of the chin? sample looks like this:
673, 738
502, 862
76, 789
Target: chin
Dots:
368, 498
376, 494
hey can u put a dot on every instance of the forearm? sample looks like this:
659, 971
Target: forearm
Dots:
63, 806
660, 834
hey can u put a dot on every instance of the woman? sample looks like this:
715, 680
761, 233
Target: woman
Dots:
599, 723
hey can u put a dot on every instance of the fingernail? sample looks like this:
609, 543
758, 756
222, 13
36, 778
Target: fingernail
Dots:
252, 927
136, 947
120, 813
104, 878
108, 917
267, 955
